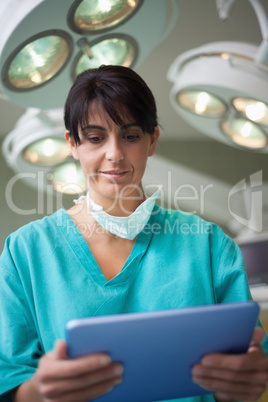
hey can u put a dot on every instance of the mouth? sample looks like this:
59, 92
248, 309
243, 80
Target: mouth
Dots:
114, 174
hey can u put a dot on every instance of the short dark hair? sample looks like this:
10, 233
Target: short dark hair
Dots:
116, 89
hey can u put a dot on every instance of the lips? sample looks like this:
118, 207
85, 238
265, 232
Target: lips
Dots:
114, 174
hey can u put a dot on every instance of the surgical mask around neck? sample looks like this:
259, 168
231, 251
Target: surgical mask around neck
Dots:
127, 227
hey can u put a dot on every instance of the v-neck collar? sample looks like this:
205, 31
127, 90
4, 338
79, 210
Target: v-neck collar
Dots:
86, 259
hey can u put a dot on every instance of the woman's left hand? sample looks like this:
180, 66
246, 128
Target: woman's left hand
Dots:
242, 376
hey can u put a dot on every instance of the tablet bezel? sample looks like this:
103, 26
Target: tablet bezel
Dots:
159, 348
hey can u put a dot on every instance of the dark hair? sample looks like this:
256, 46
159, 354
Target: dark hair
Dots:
119, 90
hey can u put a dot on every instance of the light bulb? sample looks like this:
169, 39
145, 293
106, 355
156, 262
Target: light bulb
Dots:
244, 133
115, 51
68, 178
252, 109
97, 15
47, 152
37, 62
201, 103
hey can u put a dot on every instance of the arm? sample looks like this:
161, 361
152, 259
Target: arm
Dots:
233, 377
28, 373
61, 379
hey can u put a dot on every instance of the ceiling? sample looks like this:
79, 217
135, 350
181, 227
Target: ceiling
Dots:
197, 172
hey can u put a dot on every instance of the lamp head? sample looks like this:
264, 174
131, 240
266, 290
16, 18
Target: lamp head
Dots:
221, 90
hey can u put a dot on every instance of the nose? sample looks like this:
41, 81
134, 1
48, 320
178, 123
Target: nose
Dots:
114, 152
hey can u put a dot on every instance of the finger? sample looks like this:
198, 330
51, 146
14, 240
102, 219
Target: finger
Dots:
234, 388
113, 372
234, 398
55, 389
255, 344
255, 377
255, 360
69, 368
97, 391
60, 350
86, 393
258, 336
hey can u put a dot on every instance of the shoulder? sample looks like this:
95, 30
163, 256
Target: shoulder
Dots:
193, 234
32, 233
186, 223
188, 227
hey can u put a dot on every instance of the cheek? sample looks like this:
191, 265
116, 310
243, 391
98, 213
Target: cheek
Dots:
87, 159
75, 153
91, 163
139, 159
142, 153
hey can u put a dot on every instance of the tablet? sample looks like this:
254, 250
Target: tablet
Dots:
158, 349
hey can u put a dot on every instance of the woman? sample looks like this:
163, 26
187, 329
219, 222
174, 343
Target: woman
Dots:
101, 257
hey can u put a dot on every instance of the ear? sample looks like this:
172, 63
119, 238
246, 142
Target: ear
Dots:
154, 139
72, 144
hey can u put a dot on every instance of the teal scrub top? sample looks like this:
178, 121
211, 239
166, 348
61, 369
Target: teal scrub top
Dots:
48, 276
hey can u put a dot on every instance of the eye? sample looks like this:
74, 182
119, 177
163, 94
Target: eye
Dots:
132, 134
131, 137
93, 134
95, 139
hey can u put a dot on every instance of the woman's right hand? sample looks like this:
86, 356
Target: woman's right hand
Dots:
60, 379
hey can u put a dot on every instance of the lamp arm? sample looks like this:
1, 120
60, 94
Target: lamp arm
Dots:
224, 7
171, 20
261, 16
261, 56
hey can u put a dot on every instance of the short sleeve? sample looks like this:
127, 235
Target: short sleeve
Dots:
229, 273
19, 345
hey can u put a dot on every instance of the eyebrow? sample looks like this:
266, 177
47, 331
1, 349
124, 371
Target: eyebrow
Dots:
96, 127
92, 127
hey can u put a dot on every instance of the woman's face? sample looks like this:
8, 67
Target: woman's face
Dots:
113, 158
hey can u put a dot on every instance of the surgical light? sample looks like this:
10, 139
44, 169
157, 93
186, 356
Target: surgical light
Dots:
37, 146
45, 43
47, 152
89, 16
37, 61
244, 133
202, 103
222, 88
117, 50
38, 151
252, 109
68, 178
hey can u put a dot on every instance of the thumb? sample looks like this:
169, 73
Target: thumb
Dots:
60, 350
257, 337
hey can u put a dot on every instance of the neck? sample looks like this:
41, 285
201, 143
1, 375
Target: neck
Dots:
124, 205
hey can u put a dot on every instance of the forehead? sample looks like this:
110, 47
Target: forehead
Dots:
99, 116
